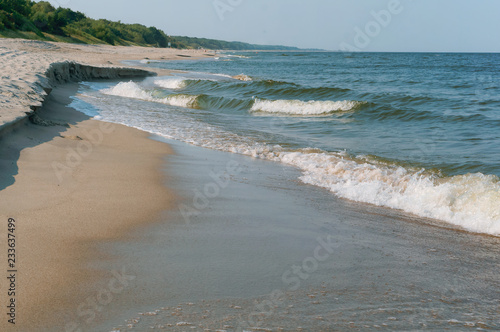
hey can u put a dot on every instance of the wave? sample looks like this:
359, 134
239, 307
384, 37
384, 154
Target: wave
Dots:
294, 91
237, 56
283, 107
304, 108
129, 90
298, 92
262, 88
173, 83
269, 83
388, 112
471, 201
181, 101
135, 91
209, 76
219, 103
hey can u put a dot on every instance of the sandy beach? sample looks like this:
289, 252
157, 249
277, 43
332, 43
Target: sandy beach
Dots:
114, 187
117, 229
68, 181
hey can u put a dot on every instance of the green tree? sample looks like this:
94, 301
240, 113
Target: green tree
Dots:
14, 12
22, 7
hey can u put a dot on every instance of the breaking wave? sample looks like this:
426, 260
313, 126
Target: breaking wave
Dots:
307, 108
134, 90
174, 83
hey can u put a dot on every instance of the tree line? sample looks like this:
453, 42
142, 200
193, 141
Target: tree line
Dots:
44, 20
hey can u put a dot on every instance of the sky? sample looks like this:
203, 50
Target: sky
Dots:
359, 25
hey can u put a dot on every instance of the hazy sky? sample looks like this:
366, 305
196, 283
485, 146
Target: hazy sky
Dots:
366, 25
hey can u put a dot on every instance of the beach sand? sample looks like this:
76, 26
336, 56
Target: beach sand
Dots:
108, 183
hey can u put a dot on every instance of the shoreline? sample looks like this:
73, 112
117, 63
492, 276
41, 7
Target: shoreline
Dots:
70, 183
31, 69
45, 185
99, 237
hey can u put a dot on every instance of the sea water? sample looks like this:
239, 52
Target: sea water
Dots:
416, 132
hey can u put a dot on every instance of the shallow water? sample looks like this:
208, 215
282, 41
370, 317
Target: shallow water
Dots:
414, 132
250, 259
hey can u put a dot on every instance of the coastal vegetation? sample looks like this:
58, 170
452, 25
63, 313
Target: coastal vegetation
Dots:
42, 21
193, 42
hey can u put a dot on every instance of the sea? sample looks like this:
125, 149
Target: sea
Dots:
414, 132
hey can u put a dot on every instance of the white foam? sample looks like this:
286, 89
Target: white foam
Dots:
237, 56
307, 108
243, 77
134, 90
173, 83
220, 75
129, 90
209, 76
471, 201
